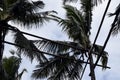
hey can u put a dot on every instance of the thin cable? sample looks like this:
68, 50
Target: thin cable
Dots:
15, 29
106, 41
52, 54
90, 52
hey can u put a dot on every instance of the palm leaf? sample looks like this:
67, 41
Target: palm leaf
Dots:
28, 48
1, 4
104, 57
30, 14
116, 22
39, 4
20, 74
33, 20
74, 73
11, 66
66, 1
95, 2
61, 47
74, 25
58, 68
87, 7
56, 47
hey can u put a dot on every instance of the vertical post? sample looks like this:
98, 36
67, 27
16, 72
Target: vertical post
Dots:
2, 36
92, 73
1, 49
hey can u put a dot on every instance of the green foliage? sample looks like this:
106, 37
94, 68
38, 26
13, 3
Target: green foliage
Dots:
95, 2
59, 68
11, 67
23, 12
104, 57
77, 25
74, 25
116, 22
53, 46
28, 48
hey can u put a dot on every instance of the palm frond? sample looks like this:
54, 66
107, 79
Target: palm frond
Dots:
74, 73
61, 47
28, 48
94, 2
58, 68
86, 7
33, 20
11, 66
65, 1
55, 47
1, 4
116, 22
74, 25
39, 4
30, 13
20, 74
104, 57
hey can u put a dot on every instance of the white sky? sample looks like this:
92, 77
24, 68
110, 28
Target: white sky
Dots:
52, 31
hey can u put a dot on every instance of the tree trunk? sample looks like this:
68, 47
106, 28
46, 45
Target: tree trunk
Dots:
1, 54
92, 73
2, 36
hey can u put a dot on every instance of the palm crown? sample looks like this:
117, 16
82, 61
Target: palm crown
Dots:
71, 54
24, 12
77, 25
11, 68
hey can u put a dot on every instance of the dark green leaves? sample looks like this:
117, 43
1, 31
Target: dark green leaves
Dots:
28, 48
27, 13
55, 47
11, 66
74, 25
116, 22
94, 2
39, 4
104, 57
59, 68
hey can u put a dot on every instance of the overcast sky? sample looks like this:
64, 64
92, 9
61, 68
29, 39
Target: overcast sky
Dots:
52, 31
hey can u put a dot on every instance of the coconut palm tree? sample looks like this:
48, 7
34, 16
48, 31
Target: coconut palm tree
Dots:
26, 13
68, 65
11, 66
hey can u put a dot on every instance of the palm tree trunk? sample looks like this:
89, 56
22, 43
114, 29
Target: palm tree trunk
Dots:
2, 36
1, 50
92, 73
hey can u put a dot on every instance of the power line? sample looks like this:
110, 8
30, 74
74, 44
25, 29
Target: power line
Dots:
106, 41
52, 54
90, 51
15, 29
74, 47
